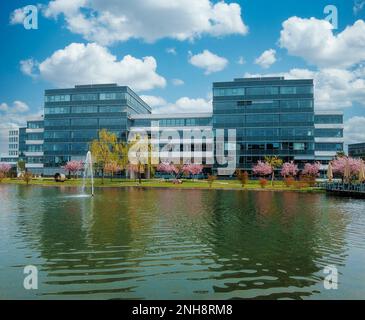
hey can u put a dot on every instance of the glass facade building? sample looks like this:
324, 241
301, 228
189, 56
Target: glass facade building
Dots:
73, 117
357, 150
271, 116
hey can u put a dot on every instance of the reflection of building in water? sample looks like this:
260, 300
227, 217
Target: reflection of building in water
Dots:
266, 241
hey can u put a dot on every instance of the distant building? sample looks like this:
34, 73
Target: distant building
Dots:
32, 141
328, 131
11, 156
357, 150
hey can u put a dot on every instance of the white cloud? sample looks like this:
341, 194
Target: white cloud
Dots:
241, 60
182, 105
177, 82
17, 16
29, 67
12, 116
91, 63
171, 51
15, 108
334, 88
314, 41
153, 101
266, 59
4, 107
106, 22
354, 130
208, 61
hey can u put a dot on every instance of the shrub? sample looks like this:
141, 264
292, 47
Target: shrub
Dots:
263, 182
308, 181
211, 179
242, 176
289, 181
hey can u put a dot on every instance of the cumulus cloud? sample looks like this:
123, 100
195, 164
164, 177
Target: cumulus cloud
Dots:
15, 108
182, 105
80, 63
17, 16
266, 59
29, 67
111, 21
177, 82
314, 41
153, 101
354, 130
208, 61
334, 88
12, 115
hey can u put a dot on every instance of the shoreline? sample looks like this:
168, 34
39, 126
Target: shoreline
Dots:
227, 186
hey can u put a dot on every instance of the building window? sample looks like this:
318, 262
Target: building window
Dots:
84, 97
85, 109
296, 90
57, 98
56, 110
84, 122
329, 133
221, 92
110, 109
112, 96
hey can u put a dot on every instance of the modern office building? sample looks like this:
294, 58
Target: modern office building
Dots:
357, 150
73, 117
271, 116
32, 142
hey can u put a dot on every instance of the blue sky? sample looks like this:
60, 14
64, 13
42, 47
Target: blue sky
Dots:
195, 42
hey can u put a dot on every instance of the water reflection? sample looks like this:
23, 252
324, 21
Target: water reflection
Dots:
177, 244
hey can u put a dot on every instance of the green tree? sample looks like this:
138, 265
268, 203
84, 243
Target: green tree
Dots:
140, 149
104, 150
21, 165
340, 154
275, 163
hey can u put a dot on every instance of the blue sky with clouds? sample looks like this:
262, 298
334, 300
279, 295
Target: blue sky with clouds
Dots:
170, 51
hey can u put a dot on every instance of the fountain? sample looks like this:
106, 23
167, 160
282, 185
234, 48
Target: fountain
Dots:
88, 170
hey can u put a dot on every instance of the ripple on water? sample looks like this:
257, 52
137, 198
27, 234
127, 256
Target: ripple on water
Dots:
185, 244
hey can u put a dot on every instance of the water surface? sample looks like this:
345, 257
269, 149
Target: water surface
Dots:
179, 244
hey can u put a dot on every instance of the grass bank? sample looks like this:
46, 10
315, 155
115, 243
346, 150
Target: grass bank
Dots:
154, 183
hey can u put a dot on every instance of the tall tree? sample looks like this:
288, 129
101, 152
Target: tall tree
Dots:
104, 150
140, 150
275, 163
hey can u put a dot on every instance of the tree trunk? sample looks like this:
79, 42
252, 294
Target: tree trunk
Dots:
272, 178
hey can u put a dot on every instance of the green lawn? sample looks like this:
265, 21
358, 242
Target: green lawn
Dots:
155, 183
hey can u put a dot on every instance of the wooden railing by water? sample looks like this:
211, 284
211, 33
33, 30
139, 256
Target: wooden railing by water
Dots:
345, 189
